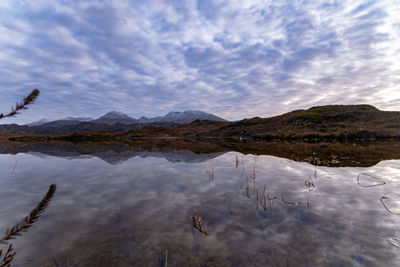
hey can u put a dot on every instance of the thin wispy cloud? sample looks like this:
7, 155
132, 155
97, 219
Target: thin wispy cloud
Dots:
234, 59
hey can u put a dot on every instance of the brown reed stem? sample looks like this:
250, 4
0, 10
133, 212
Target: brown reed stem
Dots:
22, 105
31, 218
8, 257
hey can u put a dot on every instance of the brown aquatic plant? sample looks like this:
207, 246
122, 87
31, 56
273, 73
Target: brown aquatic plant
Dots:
199, 223
31, 218
22, 105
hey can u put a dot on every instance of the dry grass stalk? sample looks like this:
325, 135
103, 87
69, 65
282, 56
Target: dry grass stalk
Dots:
210, 171
247, 186
199, 223
263, 199
22, 105
31, 218
257, 196
384, 205
379, 181
8, 257
237, 161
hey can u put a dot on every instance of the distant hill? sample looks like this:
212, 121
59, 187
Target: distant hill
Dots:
61, 122
334, 122
330, 122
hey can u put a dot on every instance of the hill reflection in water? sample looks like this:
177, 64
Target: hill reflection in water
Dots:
257, 209
320, 154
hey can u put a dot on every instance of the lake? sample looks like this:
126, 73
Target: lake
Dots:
160, 206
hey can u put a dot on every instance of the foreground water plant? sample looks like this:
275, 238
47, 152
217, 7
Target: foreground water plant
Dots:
22, 105
24, 225
5, 261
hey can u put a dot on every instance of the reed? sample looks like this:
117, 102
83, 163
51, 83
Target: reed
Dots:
237, 161
199, 223
247, 186
210, 171
8, 257
31, 218
22, 105
35, 213
263, 199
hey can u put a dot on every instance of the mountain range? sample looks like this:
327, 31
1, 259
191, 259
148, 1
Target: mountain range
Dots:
112, 121
114, 117
332, 122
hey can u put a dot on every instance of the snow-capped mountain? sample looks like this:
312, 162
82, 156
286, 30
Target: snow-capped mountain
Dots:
182, 117
114, 117
174, 117
39, 122
46, 122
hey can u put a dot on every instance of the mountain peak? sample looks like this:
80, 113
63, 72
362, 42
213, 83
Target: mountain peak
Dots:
189, 116
115, 113
114, 117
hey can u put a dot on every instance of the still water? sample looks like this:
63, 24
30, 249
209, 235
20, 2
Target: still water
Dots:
122, 209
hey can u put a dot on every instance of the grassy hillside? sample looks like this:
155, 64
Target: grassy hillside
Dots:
329, 122
334, 122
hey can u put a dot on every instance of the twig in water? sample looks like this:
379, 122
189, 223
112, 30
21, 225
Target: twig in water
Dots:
198, 222
379, 181
237, 161
384, 205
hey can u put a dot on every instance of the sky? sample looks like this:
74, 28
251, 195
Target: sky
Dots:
235, 59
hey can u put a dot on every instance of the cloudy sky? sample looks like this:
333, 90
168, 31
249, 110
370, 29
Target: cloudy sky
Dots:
235, 59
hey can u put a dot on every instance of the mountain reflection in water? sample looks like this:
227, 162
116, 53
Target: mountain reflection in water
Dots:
257, 210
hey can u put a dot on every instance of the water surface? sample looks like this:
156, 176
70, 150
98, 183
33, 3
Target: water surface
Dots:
116, 209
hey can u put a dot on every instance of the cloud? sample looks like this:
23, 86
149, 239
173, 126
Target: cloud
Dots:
253, 58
